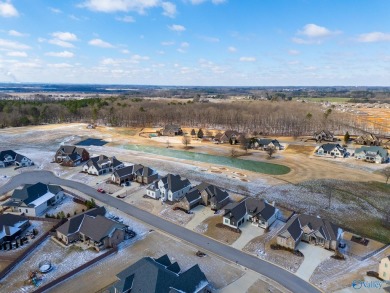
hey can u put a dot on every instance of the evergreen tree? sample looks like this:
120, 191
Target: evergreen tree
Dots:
200, 133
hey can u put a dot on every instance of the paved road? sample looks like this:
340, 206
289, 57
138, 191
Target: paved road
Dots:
285, 278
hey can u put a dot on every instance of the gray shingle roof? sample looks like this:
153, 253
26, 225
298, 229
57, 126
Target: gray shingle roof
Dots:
259, 207
174, 182
99, 227
30, 192
11, 220
5, 153
73, 224
150, 275
125, 171
235, 211
372, 149
328, 147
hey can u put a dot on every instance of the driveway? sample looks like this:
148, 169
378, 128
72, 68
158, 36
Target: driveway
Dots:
200, 214
285, 278
314, 255
248, 232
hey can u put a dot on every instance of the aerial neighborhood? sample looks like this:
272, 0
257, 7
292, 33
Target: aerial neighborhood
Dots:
259, 222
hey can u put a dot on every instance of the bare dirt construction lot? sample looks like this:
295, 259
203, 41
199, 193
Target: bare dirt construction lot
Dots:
153, 244
214, 228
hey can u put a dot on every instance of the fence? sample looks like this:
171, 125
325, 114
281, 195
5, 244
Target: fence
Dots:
81, 199
361, 258
34, 245
75, 271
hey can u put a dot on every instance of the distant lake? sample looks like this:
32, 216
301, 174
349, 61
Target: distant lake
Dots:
92, 141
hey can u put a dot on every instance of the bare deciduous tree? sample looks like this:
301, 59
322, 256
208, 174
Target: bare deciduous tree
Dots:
186, 140
270, 151
233, 153
168, 144
386, 173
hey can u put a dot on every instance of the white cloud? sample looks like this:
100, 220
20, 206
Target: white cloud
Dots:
247, 59
184, 45
8, 10
314, 31
110, 6
374, 37
169, 9
100, 43
293, 52
55, 10
64, 36
137, 58
16, 33
125, 51
306, 41
5, 44
60, 65
61, 43
17, 54
177, 28
126, 18
209, 39
64, 54
167, 43
216, 2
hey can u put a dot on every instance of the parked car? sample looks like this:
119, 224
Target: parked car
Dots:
101, 190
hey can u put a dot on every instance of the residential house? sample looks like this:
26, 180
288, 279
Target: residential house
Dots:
384, 268
170, 187
332, 150
94, 229
145, 175
205, 194
152, 275
323, 135
34, 199
125, 174
172, 130
229, 136
310, 229
12, 226
267, 143
368, 139
257, 211
71, 156
9, 157
372, 154
102, 165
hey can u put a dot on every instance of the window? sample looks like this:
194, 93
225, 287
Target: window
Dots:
226, 221
384, 274
26, 211
385, 265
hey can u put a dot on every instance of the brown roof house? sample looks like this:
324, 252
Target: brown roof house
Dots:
145, 175
257, 211
172, 130
205, 194
324, 135
229, 136
71, 156
124, 174
94, 229
160, 275
310, 229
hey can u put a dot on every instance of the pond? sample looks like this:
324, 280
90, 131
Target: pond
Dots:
92, 141
254, 166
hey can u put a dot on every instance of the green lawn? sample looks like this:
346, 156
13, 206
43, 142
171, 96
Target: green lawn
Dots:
259, 167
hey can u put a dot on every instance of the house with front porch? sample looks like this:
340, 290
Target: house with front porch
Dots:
258, 211
311, 229
267, 143
11, 158
169, 188
125, 174
34, 199
102, 165
331, 150
229, 136
372, 154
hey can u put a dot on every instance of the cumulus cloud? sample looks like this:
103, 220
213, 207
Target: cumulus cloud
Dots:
64, 36
100, 43
312, 30
8, 10
10, 45
55, 10
126, 18
169, 9
177, 28
63, 54
17, 54
374, 37
209, 39
16, 33
247, 59
61, 43
60, 65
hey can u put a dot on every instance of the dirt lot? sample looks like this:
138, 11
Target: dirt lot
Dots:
224, 234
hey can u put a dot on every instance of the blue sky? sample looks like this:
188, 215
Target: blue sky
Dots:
196, 42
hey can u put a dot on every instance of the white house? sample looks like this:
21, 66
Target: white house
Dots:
170, 187
34, 200
373, 154
384, 268
257, 211
9, 157
332, 150
102, 165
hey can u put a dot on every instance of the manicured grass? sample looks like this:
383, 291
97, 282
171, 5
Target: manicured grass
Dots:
254, 166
